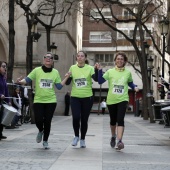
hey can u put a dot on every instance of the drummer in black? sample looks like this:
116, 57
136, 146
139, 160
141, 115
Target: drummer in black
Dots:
3, 92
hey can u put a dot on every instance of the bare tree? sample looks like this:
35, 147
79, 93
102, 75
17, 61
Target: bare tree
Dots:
11, 43
140, 13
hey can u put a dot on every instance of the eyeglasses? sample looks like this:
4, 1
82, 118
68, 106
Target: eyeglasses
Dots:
49, 57
3, 66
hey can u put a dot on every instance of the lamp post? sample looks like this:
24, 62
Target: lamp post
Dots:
164, 26
35, 35
53, 48
149, 67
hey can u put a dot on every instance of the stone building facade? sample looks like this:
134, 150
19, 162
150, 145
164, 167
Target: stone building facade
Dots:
67, 37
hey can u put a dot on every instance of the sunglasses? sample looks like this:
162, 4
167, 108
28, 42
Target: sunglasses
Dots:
3, 66
49, 57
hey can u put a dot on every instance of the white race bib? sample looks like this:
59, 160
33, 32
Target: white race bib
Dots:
45, 83
118, 89
82, 82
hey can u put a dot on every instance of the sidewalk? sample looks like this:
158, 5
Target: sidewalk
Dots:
147, 146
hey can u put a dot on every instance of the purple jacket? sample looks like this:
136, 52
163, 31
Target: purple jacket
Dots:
4, 88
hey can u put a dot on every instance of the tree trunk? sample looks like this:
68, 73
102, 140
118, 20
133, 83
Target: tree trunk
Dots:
48, 30
11, 41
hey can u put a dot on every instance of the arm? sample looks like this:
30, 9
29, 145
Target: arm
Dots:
24, 81
68, 80
95, 76
60, 85
133, 86
101, 80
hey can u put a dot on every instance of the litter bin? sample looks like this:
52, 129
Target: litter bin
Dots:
166, 115
159, 104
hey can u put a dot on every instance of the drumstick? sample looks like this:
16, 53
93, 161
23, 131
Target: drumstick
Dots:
14, 84
11, 97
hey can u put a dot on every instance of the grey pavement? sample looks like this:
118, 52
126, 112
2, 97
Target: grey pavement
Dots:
147, 146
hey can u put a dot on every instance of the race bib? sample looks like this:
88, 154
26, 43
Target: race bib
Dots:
117, 89
45, 83
82, 82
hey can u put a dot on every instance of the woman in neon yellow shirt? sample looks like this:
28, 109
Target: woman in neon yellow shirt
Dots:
46, 78
81, 96
119, 78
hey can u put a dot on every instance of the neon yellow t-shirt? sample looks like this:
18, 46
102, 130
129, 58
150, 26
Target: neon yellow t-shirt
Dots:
118, 85
81, 81
44, 85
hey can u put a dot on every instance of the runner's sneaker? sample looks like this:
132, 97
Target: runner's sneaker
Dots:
82, 143
75, 141
113, 142
39, 137
120, 145
45, 145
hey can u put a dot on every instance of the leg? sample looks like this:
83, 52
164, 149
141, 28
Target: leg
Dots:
113, 117
39, 115
85, 112
120, 119
48, 115
76, 111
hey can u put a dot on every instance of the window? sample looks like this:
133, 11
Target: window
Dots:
105, 12
100, 37
104, 59
129, 32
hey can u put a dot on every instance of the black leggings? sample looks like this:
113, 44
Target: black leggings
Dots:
117, 113
80, 112
43, 117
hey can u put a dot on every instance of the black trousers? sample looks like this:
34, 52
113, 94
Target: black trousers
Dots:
43, 117
80, 112
117, 113
67, 106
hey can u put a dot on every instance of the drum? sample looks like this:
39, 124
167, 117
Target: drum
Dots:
8, 114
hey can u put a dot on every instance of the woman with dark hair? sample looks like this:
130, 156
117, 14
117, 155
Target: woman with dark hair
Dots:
46, 79
119, 78
3, 92
81, 96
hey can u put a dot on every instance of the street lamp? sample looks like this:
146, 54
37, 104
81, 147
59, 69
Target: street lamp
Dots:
164, 27
53, 48
149, 64
35, 35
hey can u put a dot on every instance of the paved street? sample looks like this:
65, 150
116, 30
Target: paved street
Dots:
147, 146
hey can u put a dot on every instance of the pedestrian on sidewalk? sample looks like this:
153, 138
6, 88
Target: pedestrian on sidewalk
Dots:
81, 96
103, 106
117, 99
67, 104
3, 93
46, 78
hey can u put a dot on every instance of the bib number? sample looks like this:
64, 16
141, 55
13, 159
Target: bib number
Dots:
118, 89
80, 82
47, 84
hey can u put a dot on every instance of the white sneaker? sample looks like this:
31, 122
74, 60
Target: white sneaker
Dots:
75, 141
82, 143
45, 145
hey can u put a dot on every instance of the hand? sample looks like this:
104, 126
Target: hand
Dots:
98, 66
68, 74
19, 79
2, 96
